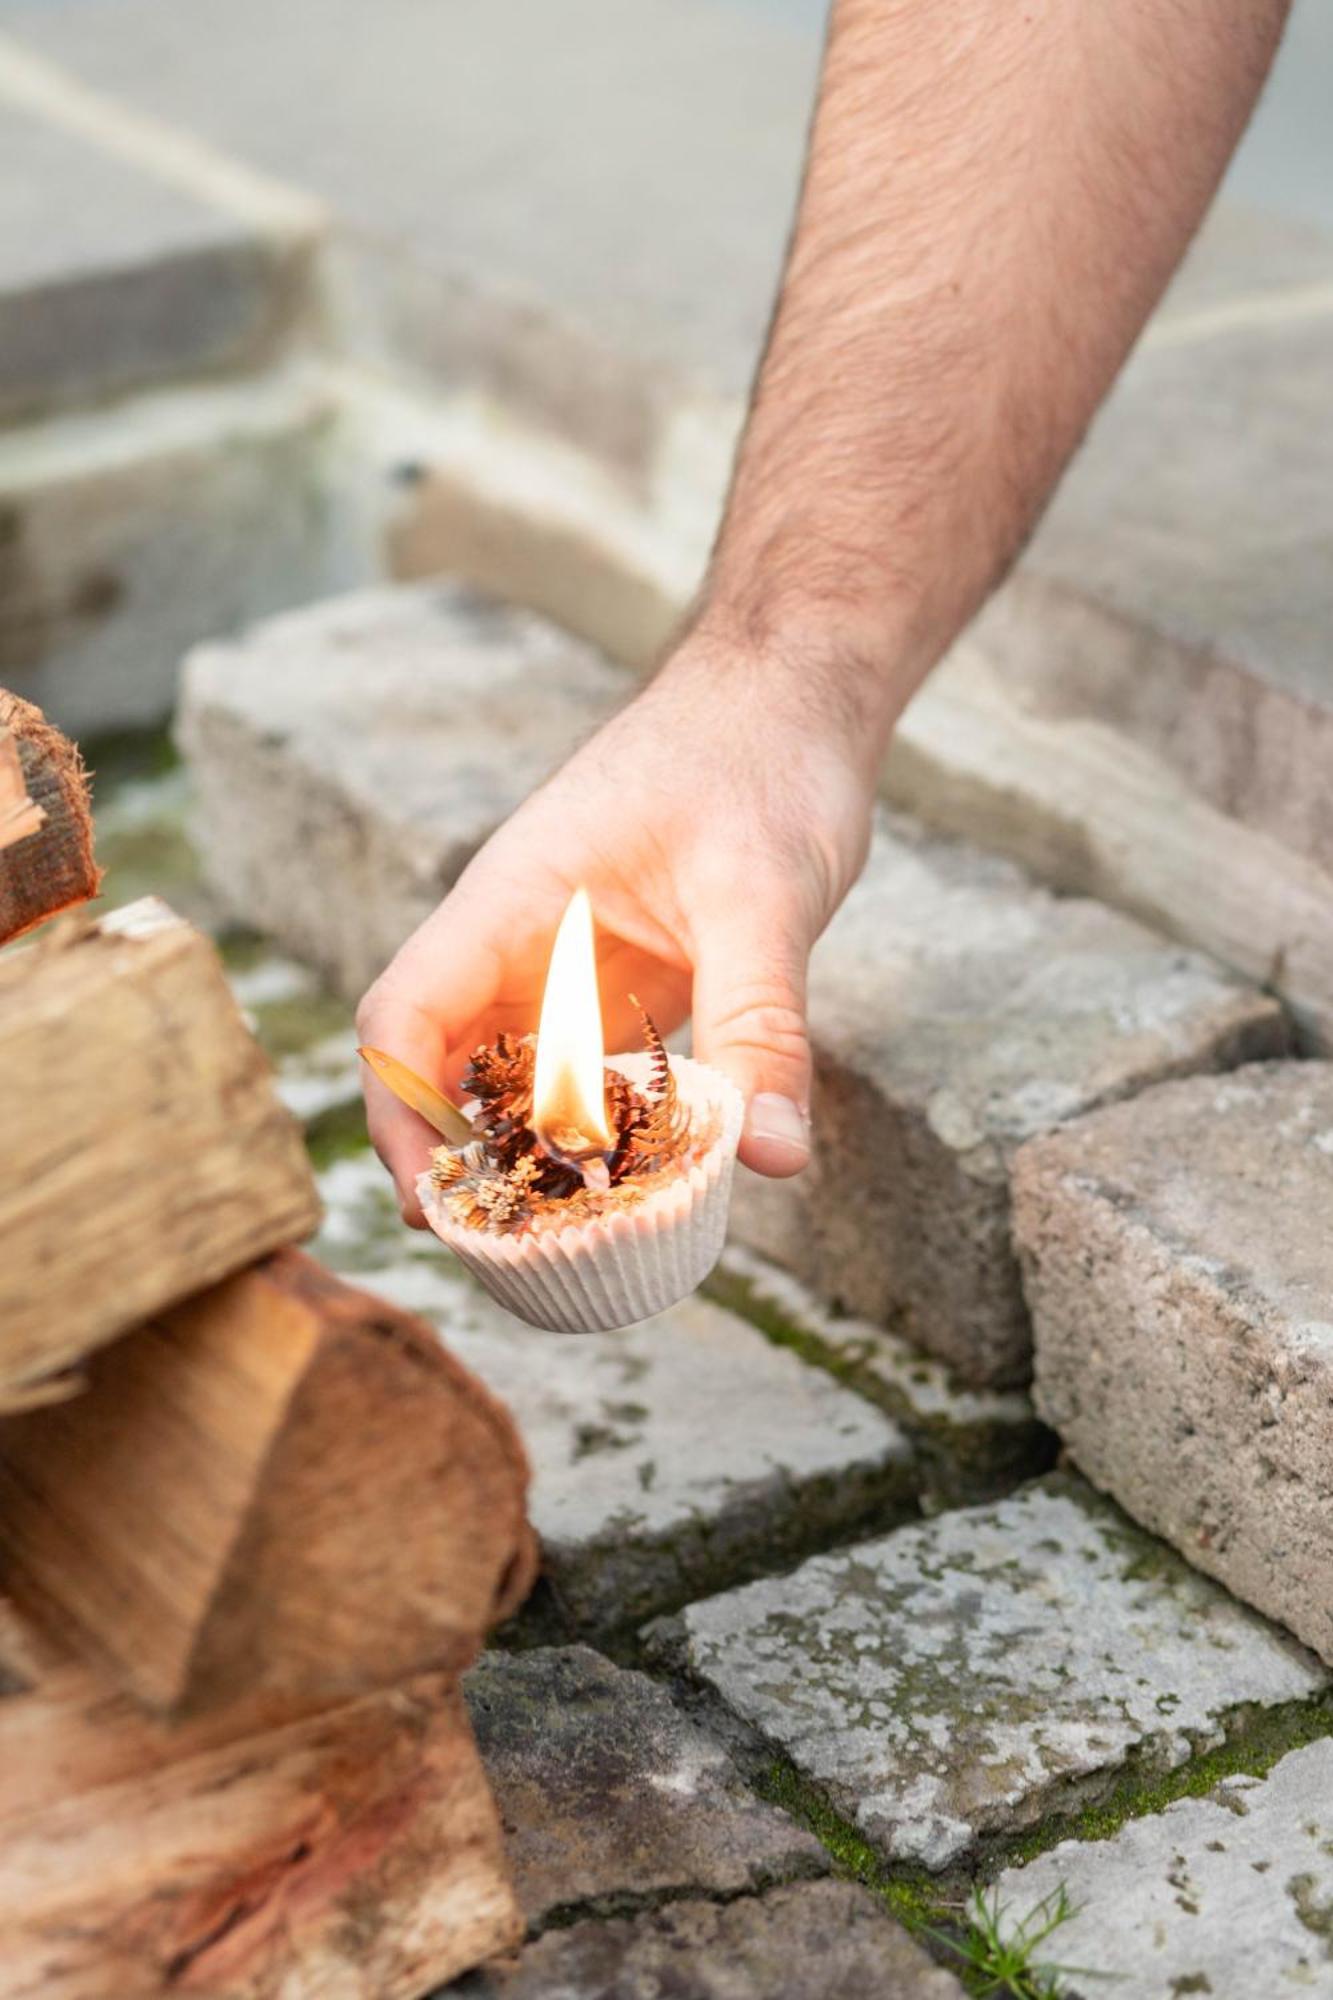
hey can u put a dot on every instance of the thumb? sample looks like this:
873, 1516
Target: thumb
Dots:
749, 1022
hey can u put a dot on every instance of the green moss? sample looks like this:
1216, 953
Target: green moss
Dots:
913, 1896
1256, 1740
743, 1297
127, 756
960, 1463
289, 1026
960, 1930
241, 948
336, 1134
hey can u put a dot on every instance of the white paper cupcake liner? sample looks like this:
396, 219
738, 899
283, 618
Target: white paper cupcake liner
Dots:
612, 1270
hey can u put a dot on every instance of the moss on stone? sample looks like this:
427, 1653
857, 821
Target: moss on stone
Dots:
295, 1023
339, 1133
1255, 1741
959, 1462
914, 1897
119, 757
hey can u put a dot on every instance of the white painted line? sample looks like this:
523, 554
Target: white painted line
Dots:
32, 84
1240, 315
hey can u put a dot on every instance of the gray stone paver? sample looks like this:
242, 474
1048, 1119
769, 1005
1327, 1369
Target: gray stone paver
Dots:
608, 1794
973, 1442
1229, 1896
373, 742
968, 1676
666, 1456
956, 1009
811, 1941
1180, 1271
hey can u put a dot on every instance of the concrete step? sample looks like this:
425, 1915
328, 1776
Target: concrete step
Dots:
128, 534
955, 1682
1147, 706
113, 278
1176, 1260
956, 1009
374, 742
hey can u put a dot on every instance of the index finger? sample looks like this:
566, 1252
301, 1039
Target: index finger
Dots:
442, 978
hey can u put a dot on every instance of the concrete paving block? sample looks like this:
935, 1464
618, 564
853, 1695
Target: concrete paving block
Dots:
1229, 1896
1177, 1261
609, 1796
1178, 588
972, 1444
666, 1458
111, 279
804, 1942
129, 534
956, 1009
374, 742
958, 1681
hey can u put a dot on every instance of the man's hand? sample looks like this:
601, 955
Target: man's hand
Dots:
716, 827
994, 198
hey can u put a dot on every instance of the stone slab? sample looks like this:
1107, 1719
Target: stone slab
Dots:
1177, 590
1229, 1896
956, 1009
1177, 1260
972, 1444
963, 1679
126, 535
666, 1458
610, 1798
806, 1942
111, 279
374, 742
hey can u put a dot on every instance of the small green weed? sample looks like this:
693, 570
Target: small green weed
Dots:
1003, 1960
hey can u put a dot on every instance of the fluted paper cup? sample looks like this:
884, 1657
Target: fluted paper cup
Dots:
608, 1271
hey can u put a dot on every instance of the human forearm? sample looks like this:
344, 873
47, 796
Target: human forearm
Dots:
995, 197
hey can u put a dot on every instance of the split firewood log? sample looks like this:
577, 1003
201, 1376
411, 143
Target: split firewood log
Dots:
245, 1855
283, 1485
46, 828
146, 1152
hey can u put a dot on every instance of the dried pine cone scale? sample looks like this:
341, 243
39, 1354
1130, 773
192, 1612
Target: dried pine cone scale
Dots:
503, 1177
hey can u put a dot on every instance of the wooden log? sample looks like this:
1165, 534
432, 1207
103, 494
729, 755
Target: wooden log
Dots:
146, 1152
20, 816
283, 1485
325, 1856
46, 827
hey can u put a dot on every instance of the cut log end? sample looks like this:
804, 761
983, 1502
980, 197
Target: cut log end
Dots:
46, 825
282, 1485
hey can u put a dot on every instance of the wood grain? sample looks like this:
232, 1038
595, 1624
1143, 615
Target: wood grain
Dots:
20, 816
328, 1856
282, 1485
46, 829
146, 1152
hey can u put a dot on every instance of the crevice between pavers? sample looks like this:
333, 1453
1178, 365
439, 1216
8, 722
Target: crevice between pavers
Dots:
1255, 1738
546, 1619
618, 1905
959, 1463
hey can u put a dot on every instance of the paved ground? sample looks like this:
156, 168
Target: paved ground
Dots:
811, 1723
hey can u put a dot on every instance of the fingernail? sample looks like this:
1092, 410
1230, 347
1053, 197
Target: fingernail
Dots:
776, 1121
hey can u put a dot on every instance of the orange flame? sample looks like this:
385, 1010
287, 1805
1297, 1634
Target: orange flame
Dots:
568, 1086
